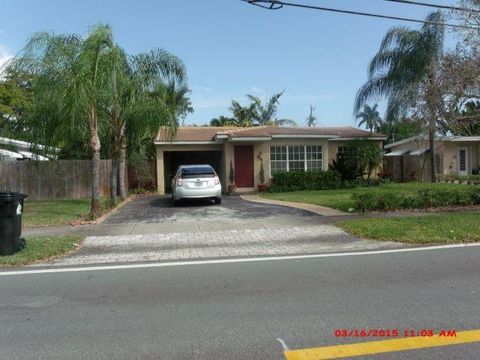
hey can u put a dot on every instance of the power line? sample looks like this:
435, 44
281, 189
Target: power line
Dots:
278, 4
436, 6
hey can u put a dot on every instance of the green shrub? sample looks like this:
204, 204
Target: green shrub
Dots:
349, 167
316, 180
476, 194
365, 200
305, 180
437, 197
422, 198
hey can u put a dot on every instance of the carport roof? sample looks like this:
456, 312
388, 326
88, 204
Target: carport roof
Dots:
206, 134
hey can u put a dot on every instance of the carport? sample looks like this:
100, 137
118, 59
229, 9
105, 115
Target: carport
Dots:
173, 159
169, 157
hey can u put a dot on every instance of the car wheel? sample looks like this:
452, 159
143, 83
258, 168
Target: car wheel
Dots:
218, 201
175, 202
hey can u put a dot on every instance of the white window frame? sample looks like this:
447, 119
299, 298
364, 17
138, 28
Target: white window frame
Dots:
270, 157
304, 156
321, 160
464, 172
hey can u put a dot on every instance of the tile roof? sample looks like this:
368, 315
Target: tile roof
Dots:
208, 133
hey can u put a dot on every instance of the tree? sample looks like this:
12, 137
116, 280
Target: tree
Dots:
370, 117
362, 158
142, 92
68, 89
405, 71
15, 101
242, 115
254, 114
399, 129
175, 95
222, 121
311, 119
266, 114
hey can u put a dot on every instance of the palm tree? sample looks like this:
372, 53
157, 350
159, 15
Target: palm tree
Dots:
142, 90
68, 89
222, 121
311, 118
370, 117
242, 115
406, 69
175, 95
265, 114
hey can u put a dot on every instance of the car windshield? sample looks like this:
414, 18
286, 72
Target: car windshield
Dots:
198, 171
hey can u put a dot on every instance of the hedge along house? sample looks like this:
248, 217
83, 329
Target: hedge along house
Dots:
246, 149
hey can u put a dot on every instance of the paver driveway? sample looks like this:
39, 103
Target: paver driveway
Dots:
151, 229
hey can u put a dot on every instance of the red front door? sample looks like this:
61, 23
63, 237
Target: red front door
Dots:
244, 166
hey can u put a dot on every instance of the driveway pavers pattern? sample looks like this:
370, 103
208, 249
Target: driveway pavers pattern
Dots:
218, 244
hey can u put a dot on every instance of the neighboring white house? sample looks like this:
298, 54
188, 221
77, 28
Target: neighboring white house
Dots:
454, 155
12, 150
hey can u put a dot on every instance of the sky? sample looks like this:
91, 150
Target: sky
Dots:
231, 48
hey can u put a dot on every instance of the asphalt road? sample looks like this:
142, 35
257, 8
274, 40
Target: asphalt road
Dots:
237, 311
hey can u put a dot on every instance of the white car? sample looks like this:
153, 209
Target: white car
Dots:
196, 182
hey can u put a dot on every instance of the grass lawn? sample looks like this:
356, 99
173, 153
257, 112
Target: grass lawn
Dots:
342, 199
39, 213
41, 248
430, 229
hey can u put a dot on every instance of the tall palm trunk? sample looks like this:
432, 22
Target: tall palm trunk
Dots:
114, 181
432, 94
121, 170
431, 139
95, 143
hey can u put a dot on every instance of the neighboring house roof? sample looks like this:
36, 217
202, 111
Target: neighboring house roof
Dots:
17, 149
204, 134
23, 145
10, 154
450, 138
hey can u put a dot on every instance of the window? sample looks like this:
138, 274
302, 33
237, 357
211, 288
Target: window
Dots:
278, 158
347, 151
296, 158
439, 163
314, 157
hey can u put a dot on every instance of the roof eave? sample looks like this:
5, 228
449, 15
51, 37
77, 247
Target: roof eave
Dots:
186, 142
373, 138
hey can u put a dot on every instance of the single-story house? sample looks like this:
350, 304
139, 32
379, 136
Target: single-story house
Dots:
454, 155
246, 148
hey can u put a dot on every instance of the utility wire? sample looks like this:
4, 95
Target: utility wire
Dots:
278, 4
437, 6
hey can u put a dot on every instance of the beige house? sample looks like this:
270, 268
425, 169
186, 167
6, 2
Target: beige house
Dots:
455, 155
245, 149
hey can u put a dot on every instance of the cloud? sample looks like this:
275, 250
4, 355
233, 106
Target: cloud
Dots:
257, 90
5, 56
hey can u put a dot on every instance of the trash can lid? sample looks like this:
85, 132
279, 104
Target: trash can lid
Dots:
11, 196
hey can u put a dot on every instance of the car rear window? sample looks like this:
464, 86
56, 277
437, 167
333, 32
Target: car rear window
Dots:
199, 171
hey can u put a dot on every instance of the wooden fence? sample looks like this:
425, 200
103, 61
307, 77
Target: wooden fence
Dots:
60, 179
408, 168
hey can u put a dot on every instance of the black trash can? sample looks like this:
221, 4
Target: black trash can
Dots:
11, 210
